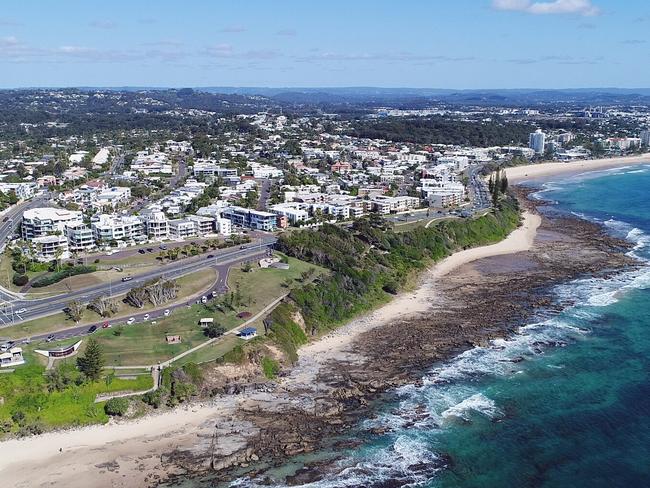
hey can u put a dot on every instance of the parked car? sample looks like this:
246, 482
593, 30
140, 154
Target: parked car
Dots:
106, 325
130, 321
210, 256
242, 247
92, 329
146, 316
204, 299
163, 247
22, 310
127, 278
50, 338
142, 251
166, 313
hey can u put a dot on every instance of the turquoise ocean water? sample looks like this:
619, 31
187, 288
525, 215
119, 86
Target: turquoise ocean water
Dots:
563, 403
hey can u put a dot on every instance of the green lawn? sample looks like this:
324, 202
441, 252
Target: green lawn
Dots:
25, 391
190, 284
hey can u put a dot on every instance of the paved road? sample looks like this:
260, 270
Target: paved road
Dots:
265, 194
35, 308
218, 288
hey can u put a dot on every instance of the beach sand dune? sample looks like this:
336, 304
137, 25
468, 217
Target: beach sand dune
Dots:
519, 174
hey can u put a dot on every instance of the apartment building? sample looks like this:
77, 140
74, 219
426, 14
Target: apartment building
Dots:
156, 224
211, 168
42, 221
48, 248
204, 225
254, 219
107, 228
387, 205
80, 238
182, 228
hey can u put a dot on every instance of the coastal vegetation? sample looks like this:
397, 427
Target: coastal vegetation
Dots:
369, 261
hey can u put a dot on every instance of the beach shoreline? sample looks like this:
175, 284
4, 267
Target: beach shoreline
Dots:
537, 172
84, 448
130, 453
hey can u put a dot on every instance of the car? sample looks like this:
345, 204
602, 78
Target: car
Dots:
4, 347
50, 338
5, 219
127, 278
142, 251
146, 316
118, 269
166, 313
130, 321
92, 329
163, 247
204, 299
242, 247
22, 310
27, 341
210, 256
106, 325
150, 249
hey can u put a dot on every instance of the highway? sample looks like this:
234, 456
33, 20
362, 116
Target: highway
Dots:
218, 288
35, 308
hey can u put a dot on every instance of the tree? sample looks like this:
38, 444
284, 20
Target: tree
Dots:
74, 310
104, 306
92, 362
214, 330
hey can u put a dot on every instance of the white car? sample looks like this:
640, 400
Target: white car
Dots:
146, 316
204, 299
22, 310
166, 313
130, 321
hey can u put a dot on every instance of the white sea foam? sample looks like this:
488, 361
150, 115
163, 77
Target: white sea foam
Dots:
476, 403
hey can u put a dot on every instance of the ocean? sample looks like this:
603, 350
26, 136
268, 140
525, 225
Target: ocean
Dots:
565, 402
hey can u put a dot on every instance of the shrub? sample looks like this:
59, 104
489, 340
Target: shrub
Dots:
153, 398
20, 279
116, 406
61, 275
270, 367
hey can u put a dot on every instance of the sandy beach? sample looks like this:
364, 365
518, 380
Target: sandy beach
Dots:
519, 174
83, 457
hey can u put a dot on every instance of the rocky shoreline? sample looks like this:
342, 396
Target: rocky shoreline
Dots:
477, 303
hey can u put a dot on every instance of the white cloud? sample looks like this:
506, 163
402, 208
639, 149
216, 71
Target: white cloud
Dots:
576, 7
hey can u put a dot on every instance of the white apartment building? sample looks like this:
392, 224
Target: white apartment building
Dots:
205, 167
386, 205
80, 238
42, 221
182, 228
107, 228
645, 138
265, 171
294, 212
151, 163
223, 226
459, 163
48, 248
204, 225
113, 196
537, 141
442, 194
156, 224
24, 191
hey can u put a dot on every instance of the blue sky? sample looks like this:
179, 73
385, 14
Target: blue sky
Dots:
400, 43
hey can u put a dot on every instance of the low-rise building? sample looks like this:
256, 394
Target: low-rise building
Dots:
108, 228
254, 219
182, 228
80, 238
48, 248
